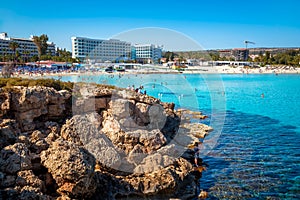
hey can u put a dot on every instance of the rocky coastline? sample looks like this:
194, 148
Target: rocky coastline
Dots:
95, 142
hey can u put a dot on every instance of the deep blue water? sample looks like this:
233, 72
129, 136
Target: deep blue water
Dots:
254, 151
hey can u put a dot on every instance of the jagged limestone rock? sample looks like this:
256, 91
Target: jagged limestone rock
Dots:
72, 168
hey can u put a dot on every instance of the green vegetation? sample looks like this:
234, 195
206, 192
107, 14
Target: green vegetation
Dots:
56, 84
170, 56
41, 44
202, 55
62, 55
290, 57
13, 46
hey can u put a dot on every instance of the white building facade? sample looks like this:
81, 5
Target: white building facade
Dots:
147, 53
27, 48
98, 50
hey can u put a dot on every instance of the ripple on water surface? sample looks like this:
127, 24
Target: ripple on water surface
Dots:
254, 162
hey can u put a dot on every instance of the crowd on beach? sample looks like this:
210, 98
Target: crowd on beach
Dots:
259, 70
39, 71
46, 71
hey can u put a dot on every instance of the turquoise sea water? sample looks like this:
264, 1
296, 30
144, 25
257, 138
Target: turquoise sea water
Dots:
255, 147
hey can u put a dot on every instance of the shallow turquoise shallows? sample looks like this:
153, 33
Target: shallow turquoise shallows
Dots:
254, 151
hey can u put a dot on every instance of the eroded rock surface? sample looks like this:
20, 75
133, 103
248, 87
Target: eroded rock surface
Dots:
71, 167
104, 144
29, 103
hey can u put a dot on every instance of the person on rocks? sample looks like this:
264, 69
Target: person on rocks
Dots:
197, 153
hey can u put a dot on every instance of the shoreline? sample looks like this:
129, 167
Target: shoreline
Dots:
203, 70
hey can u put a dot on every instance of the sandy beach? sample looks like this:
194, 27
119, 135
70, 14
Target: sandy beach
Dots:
261, 70
164, 70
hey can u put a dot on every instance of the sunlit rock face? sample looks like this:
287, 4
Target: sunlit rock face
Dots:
94, 143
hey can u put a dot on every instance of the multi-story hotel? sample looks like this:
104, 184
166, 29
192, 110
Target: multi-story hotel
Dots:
147, 53
27, 48
97, 50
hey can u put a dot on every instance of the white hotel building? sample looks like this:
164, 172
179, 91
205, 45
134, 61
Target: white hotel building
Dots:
97, 50
147, 53
27, 48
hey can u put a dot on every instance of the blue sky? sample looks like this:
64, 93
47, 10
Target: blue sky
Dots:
211, 24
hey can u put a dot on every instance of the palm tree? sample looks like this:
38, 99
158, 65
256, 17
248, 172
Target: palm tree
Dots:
37, 42
41, 44
2, 55
25, 54
13, 46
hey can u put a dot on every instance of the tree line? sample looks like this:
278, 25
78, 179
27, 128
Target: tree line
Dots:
288, 57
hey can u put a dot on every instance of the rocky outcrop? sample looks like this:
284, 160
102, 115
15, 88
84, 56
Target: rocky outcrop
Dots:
159, 177
14, 158
27, 104
71, 167
97, 143
9, 132
4, 103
